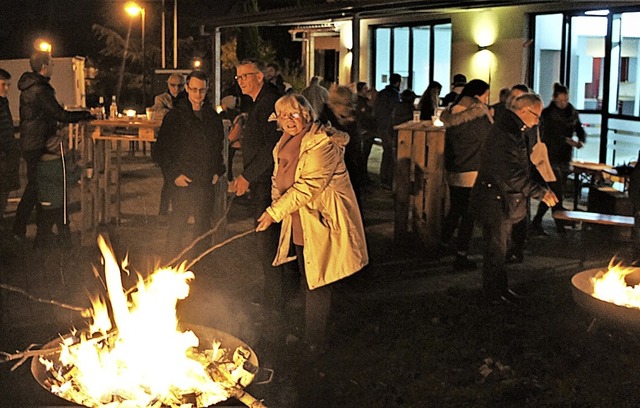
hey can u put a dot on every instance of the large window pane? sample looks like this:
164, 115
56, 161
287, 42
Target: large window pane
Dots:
623, 139
590, 152
414, 64
629, 91
587, 61
442, 55
383, 48
421, 46
401, 54
548, 49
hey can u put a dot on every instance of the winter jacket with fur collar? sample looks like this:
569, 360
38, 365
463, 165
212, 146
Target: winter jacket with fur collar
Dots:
467, 125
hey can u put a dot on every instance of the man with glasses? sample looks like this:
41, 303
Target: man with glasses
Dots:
163, 103
189, 151
166, 101
259, 137
500, 193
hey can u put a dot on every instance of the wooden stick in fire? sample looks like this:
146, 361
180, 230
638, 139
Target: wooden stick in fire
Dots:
247, 399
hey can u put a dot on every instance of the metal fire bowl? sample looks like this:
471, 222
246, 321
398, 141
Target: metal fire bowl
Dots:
205, 334
620, 316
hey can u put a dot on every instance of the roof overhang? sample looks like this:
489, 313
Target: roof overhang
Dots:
337, 10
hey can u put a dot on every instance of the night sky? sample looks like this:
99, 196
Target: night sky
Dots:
67, 23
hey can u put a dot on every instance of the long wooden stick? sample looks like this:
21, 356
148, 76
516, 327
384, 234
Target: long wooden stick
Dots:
41, 300
223, 243
203, 236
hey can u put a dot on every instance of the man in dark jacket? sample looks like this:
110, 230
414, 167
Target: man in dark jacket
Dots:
387, 101
259, 137
189, 152
9, 152
40, 113
503, 184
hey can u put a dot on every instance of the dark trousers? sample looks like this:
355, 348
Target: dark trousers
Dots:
266, 249
519, 233
496, 230
46, 219
187, 201
29, 198
367, 145
387, 162
4, 197
459, 217
165, 195
561, 171
317, 305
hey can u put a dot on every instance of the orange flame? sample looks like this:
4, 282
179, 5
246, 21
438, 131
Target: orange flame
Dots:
611, 286
139, 357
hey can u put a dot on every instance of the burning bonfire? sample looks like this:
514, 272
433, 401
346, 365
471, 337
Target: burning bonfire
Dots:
135, 355
616, 285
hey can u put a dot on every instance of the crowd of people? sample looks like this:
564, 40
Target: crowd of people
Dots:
304, 169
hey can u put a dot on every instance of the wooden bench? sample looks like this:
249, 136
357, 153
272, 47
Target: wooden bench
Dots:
593, 218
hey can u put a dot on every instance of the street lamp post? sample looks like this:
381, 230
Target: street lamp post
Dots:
133, 10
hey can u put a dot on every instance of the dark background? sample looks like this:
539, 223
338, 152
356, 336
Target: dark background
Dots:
67, 24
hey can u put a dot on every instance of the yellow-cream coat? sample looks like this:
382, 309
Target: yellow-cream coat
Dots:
334, 240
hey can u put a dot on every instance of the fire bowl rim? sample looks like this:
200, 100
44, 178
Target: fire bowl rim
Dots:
620, 316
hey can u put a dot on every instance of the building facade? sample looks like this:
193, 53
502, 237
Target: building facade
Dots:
592, 47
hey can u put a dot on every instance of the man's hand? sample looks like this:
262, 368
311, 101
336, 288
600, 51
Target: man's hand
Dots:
215, 179
182, 181
577, 144
264, 222
550, 198
241, 184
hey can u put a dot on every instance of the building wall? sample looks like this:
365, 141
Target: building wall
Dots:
504, 31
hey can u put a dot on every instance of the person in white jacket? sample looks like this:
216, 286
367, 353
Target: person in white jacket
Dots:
314, 200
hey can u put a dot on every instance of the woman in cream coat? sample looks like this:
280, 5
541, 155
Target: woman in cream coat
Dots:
314, 199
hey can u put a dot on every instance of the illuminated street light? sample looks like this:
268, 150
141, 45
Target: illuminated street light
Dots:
42, 45
133, 10
197, 64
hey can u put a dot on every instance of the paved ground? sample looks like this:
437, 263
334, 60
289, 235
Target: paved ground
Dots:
226, 279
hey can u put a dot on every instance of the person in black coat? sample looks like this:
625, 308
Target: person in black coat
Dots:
504, 182
339, 112
9, 151
387, 102
259, 137
560, 121
189, 152
40, 113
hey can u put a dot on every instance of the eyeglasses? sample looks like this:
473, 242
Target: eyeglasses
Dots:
244, 77
201, 91
176, 85
292, 115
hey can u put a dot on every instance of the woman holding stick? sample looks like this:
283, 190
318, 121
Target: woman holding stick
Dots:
314, 199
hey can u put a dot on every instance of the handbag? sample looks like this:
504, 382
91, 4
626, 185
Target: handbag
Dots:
540, 158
